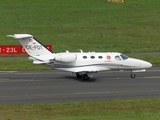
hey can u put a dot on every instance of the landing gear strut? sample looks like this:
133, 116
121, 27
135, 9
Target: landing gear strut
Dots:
133, 75
78, 76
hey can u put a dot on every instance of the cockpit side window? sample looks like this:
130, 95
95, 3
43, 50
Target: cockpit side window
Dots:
118, 58
124, 57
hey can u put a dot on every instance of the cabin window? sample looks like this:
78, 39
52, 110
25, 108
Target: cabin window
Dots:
117, 58
92, 57
85, 57
100, 57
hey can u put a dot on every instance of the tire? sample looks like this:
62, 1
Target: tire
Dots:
133, 75
78, 76
85, 77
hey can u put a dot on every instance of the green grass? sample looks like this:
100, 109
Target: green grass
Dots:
140, 109
86, 24
21, 64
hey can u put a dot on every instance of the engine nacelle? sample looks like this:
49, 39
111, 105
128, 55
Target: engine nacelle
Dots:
66, 58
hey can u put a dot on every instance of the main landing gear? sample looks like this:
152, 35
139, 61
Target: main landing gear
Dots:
133, 75
83, 76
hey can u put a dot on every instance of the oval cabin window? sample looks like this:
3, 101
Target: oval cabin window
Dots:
100, 57
85, 57
92, 57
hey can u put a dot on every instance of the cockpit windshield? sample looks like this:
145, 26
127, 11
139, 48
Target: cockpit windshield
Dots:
124, 57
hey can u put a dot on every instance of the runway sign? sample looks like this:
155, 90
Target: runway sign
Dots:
9, 49
16, 49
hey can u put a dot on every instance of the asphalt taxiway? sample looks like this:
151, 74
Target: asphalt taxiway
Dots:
19, 87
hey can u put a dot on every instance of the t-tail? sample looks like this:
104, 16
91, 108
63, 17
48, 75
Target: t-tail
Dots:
34, 48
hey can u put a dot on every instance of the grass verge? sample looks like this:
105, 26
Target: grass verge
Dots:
20, 64
140, 109
88, 25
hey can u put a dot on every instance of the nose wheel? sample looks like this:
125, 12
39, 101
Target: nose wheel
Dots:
133, 75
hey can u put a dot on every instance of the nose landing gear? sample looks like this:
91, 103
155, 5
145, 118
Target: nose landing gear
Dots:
133, 75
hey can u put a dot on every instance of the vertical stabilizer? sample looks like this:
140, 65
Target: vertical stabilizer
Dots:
32, 46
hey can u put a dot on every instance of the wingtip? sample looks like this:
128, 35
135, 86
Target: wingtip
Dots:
10, 35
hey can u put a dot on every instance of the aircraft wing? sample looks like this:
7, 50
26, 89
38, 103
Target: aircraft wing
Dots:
86, 70
90, 69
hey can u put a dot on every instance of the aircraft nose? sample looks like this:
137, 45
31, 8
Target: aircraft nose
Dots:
145, 64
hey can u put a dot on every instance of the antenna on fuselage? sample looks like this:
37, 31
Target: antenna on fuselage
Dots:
67, 51
81, 50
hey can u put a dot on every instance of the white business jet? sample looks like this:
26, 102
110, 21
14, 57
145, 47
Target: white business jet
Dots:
81, 63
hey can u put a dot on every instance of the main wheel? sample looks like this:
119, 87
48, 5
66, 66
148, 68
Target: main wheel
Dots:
85, 77
78, 76
133, 75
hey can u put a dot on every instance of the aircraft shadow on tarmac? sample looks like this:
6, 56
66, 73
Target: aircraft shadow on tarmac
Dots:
80, 80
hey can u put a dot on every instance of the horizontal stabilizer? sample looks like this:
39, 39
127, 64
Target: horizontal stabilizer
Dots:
18, 36
144, 70
38, 62
41, 59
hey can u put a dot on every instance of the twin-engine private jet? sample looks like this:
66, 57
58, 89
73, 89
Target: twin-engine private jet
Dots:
83, 64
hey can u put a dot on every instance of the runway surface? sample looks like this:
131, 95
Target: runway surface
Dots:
19, 87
